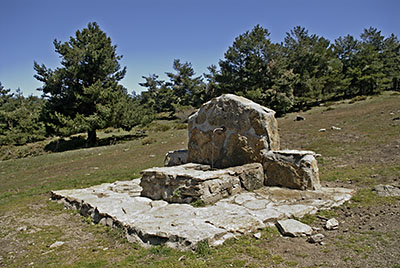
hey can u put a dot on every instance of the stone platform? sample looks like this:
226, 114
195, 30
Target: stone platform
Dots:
195, 182
182, 226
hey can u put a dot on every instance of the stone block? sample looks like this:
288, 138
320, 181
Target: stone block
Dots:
251, 175
387, 190
231, 131
191, 182
292, 169
176, 158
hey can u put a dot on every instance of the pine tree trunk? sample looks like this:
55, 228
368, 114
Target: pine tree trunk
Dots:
395, 84
92, 137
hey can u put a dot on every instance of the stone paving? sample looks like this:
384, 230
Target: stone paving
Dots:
183, 226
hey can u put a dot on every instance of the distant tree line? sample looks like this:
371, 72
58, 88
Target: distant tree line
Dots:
20, 118
304, 70
84, 94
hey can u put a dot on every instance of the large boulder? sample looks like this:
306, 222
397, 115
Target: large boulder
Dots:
231, 131
292, 169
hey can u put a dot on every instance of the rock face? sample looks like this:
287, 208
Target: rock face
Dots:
292, 169
231, 131
191, 182
251, 176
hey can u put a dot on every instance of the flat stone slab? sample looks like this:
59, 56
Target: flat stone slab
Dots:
291, 227
182, 226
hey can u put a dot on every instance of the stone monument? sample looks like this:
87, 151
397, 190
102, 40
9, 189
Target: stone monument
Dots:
231, 169
226, 132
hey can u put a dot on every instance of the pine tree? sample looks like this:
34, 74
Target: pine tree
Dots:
188, 89
345, 50
245, 63
84, 93
310, 57
391, 61
158, 97
366, 69
19, 118
257, 69
212, 87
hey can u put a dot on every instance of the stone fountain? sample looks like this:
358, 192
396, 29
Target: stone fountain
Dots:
233, 169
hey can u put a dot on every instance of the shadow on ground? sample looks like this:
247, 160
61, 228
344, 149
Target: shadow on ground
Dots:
80, 142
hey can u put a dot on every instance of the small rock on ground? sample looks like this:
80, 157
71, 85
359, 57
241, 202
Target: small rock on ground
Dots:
22, 229
257, 235
387, 190
317, 238
332, 224
57, 244
293, 228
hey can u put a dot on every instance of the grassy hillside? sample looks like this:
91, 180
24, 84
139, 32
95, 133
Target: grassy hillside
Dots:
363, 153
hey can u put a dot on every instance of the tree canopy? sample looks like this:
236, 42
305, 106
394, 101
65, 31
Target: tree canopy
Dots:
306, 69
20, 118
83, 94
256, 68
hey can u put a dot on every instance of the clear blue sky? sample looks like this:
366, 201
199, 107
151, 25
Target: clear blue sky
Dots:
150, 34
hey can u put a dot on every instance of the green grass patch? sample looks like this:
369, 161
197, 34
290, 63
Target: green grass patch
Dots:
198, 203
308, 219
91, 264
270, 232
358, 243
331, 213
367, 198
203, 248
161, 250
